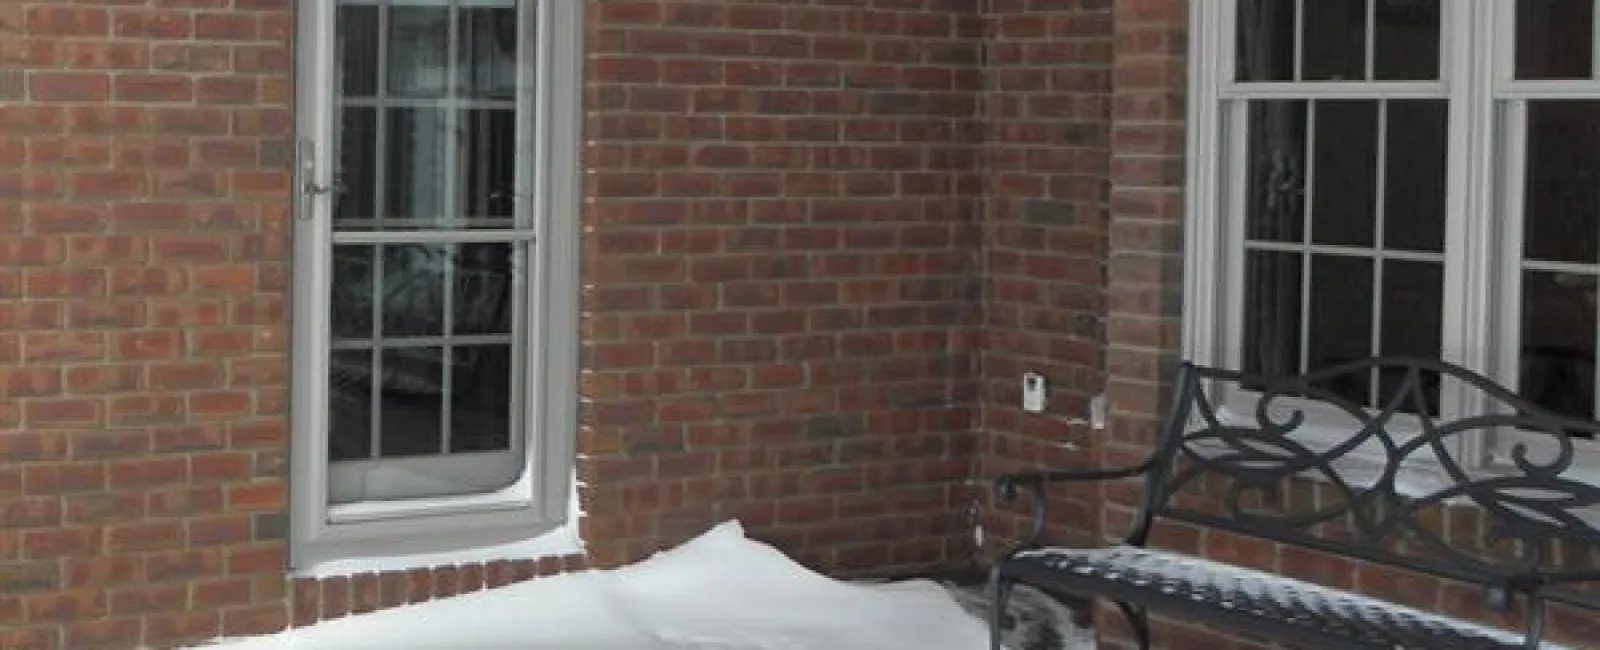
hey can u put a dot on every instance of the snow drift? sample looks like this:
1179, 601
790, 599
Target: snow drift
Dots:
719, 591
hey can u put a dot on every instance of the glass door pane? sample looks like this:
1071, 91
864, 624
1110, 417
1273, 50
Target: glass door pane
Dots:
427, 242
1561, 256
1554, 39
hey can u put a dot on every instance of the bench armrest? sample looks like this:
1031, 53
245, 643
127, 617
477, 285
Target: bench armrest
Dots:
1008, 486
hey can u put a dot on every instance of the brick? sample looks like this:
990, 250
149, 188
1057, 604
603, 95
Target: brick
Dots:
179, 628
254, 620
78, 605
69, 87
146, 599
47, 20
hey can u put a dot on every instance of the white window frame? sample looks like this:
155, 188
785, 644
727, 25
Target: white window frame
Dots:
1481, 247
539, 501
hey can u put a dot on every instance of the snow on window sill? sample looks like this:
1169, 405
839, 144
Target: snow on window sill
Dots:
562, 541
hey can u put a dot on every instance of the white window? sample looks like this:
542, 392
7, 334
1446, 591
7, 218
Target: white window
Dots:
435, 281
1399, 178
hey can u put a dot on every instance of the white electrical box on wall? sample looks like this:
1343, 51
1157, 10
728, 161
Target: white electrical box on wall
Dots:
1033, 392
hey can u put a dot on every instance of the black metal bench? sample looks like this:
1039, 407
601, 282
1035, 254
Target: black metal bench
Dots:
1258, 471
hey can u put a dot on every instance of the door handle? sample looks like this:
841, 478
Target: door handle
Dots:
306, 171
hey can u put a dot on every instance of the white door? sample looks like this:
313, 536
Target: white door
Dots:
414, 232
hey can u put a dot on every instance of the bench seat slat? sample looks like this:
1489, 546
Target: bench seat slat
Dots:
1283, 608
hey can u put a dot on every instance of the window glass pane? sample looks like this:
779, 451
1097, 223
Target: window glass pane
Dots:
1275, 190
355, 181
350, 405
1344, 177
1558, 341
416, 143
412, 289
1413, 315
487, 42
358, 50
482, 299
413, 405
1271, 336
1414, 175
1562, 199
419, 51
480, 398
1406, 43
1335, 40
489, 161
1341, 319
350, 296
1555, 39
1266, 40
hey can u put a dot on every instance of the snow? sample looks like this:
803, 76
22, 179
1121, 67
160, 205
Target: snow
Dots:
719, 591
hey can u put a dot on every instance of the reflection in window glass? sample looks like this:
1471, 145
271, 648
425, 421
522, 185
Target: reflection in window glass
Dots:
420, 65
1335, 40
1561, 211
1407, 40
1271, 336
1555, 39
413, 402
1413, 322
358, 50
1414, 172
487, 56
1558, 341
1266, 40
480, 406
351, 294
350, 375
1339, 40
415, 160
488, 153
1341, 319
1344, 182
1275, 204
355, 199
1561, 255
483, 279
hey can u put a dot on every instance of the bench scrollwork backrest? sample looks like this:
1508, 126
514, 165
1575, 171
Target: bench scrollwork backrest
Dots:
1263, 471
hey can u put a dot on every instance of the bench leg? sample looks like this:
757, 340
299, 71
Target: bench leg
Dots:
1139, 620
999, 593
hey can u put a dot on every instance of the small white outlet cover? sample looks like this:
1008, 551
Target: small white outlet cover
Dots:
1033, 392
1097, 412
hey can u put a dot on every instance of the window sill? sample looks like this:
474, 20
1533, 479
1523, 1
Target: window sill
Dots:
512, 498
427, 533
560, 542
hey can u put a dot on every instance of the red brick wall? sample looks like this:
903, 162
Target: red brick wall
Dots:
142, 204
781, 276
1046, 94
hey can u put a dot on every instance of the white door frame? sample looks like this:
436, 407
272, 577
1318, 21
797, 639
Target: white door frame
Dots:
539, 499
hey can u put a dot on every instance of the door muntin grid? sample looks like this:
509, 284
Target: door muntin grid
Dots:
429, 245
